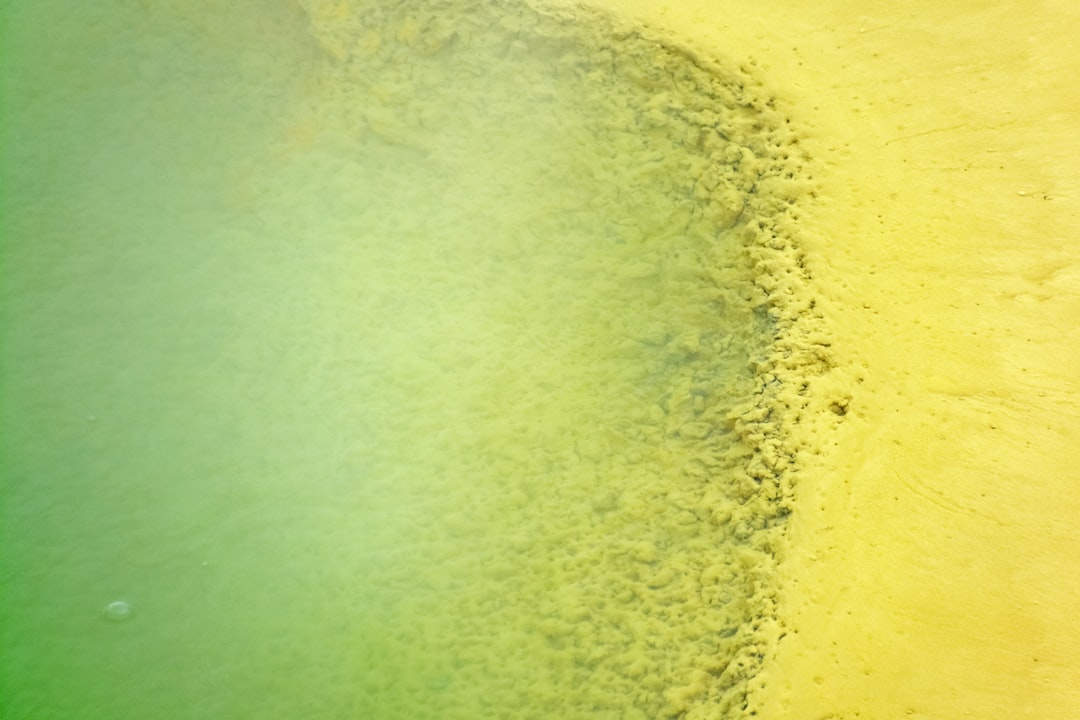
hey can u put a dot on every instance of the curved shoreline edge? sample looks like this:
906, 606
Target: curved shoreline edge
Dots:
778, 422
931, 567
801, 394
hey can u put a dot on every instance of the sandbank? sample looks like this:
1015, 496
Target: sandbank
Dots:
931, 569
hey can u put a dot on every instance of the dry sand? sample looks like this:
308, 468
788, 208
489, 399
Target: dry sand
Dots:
932, 569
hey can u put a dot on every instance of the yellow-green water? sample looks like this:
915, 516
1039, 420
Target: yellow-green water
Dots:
391, 361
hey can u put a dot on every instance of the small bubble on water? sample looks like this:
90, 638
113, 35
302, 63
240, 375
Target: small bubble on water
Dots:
117, 610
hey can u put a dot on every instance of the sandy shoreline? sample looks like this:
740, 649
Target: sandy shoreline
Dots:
402, 369
932, 567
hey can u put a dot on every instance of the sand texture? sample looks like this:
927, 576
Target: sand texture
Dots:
933, 566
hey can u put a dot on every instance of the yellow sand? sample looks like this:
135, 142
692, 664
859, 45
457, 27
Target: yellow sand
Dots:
933, 557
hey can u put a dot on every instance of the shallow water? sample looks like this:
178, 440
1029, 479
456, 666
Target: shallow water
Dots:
385, 362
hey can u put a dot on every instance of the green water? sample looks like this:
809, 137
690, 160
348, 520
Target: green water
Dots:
383, 357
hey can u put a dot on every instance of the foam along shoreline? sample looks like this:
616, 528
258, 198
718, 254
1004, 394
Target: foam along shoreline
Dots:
932, 567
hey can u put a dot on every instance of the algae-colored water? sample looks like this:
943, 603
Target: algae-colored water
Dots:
389, 361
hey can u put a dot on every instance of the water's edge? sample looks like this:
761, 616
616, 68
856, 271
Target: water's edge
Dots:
441, 361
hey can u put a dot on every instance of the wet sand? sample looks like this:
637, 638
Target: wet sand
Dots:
932, 559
